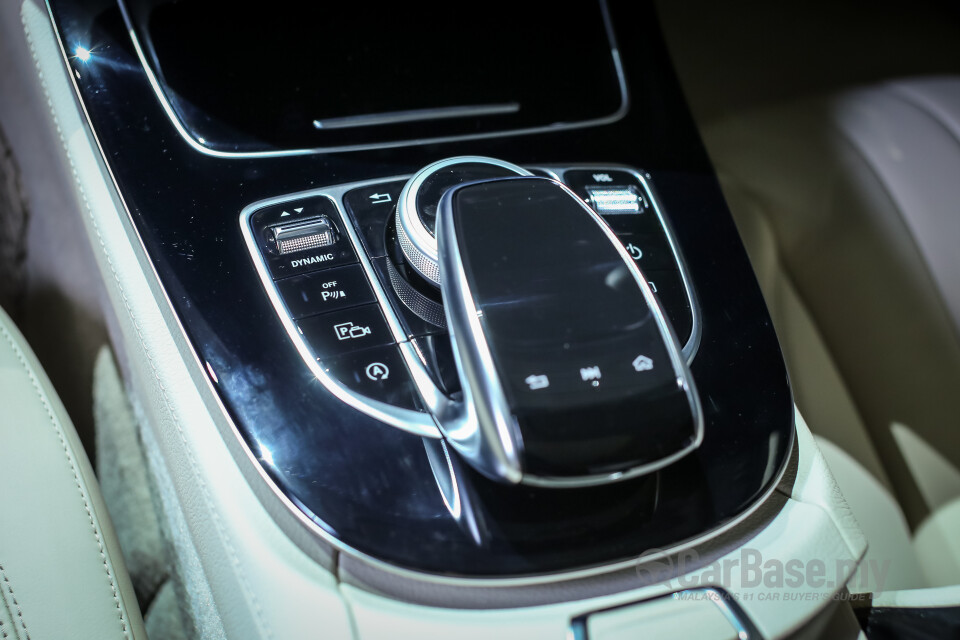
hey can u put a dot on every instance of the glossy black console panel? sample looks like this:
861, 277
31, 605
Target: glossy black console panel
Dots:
370, 487
321, 74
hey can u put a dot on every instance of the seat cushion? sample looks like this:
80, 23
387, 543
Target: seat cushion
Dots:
847, 205
890, 562
856, 193
937, 542
61, 570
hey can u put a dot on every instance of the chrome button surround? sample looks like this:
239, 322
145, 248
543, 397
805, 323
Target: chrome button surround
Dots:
418, 244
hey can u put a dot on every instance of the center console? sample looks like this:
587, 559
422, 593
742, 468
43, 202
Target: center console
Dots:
538, 331
467, 306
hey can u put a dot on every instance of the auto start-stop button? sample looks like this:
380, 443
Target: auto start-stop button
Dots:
377, 373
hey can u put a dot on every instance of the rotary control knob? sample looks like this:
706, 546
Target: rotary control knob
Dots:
416, 216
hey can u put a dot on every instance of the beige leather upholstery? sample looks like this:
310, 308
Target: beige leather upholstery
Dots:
245, 575
938, 546
848, 205
818, 385
61, 571
891, 562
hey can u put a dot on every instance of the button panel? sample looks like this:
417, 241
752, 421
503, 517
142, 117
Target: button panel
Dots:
642, 233
328, 303
325, 292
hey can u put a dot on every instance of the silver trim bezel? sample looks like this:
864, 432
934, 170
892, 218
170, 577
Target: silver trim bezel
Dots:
199, 146
410, 228
717, 595
490, 438
415, 115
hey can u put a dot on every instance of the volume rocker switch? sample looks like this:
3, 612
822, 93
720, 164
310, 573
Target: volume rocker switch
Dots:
615, 200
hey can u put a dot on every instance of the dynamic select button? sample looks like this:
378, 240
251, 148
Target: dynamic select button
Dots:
300, 236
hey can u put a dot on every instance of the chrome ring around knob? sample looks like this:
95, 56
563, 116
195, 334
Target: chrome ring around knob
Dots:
418, 243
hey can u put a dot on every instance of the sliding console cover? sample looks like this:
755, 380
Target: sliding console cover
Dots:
484, 331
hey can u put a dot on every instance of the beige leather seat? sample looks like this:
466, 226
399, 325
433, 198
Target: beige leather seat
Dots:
849, 206
61, 571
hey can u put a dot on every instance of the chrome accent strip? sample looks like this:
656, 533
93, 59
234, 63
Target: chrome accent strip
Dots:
723, 604
563, 126
416, 422
416, 115
224, 422
578, 625
551, 170
489, 438
689, 350
418, 244
445, 477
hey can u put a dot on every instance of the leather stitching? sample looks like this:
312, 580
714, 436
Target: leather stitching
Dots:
8, 587
70, 460
234, 559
